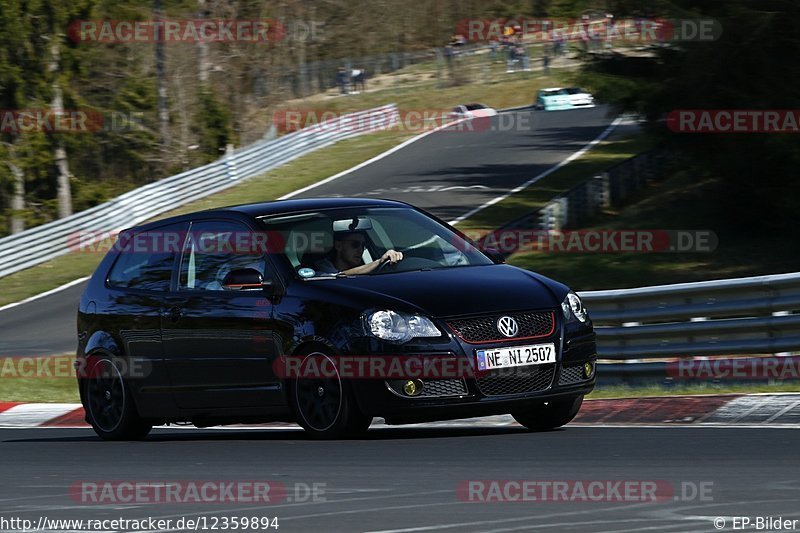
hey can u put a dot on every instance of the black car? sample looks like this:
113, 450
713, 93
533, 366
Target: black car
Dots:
325, 312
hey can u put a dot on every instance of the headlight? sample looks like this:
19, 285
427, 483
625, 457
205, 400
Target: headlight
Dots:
399, 327
573, 307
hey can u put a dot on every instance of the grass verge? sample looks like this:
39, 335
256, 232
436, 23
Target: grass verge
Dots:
696, 388
23, 380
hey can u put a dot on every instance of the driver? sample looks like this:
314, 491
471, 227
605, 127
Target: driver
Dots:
346, 257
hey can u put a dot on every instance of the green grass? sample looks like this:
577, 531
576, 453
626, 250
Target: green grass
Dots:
697, 388
46, 276
23, 382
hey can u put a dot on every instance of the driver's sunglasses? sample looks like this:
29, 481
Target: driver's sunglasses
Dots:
355, 244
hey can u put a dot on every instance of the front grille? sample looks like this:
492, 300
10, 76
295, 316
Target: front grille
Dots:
520, 380
571, 374
484, 328
443, 387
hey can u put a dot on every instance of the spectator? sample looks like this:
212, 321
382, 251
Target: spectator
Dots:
342, 80
512, 58
359, 79
522, 54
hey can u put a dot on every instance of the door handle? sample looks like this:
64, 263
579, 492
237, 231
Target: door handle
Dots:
173, 313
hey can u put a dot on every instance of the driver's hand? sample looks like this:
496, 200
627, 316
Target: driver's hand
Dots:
392, 256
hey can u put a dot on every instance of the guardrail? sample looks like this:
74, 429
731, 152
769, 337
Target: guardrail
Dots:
606, 190
45, 242
725, 317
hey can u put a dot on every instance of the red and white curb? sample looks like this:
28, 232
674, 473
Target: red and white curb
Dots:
781, 410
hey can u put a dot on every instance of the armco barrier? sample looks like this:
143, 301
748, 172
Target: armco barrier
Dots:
51, 240
724, 317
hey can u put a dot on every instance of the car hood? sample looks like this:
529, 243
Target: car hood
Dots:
453, 291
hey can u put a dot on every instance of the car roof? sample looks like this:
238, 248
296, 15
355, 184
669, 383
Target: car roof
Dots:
276, 207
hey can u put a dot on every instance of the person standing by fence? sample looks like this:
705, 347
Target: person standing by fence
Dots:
342, 80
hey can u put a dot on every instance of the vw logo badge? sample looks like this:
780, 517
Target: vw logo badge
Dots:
507, 326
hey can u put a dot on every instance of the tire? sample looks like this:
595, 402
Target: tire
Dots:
325, 406
109, 403
550, 416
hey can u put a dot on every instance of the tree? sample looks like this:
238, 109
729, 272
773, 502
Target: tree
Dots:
752, 65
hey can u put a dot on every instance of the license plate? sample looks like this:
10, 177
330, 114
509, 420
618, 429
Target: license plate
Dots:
534, 354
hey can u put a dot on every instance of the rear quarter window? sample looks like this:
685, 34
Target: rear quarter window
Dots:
145, 271
147, 263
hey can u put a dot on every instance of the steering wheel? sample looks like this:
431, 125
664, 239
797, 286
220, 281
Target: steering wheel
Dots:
409, 263
384, 266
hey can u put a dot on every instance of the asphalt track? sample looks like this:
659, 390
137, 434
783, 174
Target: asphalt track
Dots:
448, 173
407, 479
456, 169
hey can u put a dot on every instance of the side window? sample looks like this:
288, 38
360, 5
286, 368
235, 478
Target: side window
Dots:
215, 248
146, 259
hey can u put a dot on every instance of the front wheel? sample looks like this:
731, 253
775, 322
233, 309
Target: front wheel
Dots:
109, 404
323, 403
551, 415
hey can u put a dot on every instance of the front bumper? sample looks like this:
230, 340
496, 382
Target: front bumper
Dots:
478, 393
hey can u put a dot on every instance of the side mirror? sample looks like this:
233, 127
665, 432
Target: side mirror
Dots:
244, 279
495, 254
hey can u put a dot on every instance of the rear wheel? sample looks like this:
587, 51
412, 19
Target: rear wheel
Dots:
109, 404
551, 415
323, 403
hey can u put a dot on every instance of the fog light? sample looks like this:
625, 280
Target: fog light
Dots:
412, 387
588, 369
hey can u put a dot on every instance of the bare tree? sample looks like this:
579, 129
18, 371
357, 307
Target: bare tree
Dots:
161, 78
18, 195
64, 191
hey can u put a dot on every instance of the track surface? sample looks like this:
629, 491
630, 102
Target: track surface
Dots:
448, 173
454, 170
406, 478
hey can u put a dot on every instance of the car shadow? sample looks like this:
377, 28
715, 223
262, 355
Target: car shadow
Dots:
381, 433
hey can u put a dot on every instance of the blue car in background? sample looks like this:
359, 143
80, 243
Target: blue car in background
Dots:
558, 98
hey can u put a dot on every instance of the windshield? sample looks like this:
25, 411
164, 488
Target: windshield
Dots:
365, 240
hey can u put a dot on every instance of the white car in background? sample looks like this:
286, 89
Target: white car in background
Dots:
558, 98
473, 111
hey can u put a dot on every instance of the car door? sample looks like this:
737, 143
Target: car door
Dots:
219, 344
137, 288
